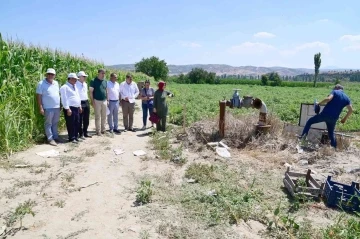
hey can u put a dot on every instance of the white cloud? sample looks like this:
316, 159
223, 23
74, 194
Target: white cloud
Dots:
264, 35
352, 48
190, 44
319, 46
251, 47
350, 38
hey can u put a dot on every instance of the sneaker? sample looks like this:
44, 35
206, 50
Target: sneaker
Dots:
53, 143
82, 137
73, 141
87, 136
143, 128
117, 131
79, 140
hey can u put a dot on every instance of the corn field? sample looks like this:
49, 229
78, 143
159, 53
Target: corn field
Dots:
21, 68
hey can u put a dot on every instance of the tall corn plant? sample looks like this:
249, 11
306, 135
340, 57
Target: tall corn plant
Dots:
21, 68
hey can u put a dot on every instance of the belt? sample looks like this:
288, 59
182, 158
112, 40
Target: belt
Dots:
84, 101
124, 100
114, 100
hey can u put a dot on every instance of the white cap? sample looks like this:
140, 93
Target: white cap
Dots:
72, 75
50, 71
81, 73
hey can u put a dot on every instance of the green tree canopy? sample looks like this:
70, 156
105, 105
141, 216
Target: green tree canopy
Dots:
154, 67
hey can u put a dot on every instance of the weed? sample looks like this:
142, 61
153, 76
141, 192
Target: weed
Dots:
27, 183
201, 173
68, 177
343, 228
144, 192
90, 153
144, 234
66, 160
20, 212
45, 165
10, 192
59, 204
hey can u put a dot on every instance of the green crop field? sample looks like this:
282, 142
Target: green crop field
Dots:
202, 101
21, 68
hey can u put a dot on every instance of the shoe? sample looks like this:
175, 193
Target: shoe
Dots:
117, 131
79, 140
53, 143
103, 132
143, 128
133, 130
87, 136
125, 130
59, 140
111, 131
82, 137
98, 134
73, 141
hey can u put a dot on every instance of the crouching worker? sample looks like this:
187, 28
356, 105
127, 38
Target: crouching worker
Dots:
160, 105
71, 102
334, 104
260, 105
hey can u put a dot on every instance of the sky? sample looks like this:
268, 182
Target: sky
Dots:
235, 32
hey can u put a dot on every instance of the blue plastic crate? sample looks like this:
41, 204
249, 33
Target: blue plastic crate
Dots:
346, 197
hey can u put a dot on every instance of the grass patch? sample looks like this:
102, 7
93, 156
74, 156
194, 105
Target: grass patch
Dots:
27, 183
201, 173
144, 192
346, 228
220, 198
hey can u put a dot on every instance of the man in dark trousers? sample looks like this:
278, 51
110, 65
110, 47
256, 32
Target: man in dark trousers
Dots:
335, 103
82, 88
71, 102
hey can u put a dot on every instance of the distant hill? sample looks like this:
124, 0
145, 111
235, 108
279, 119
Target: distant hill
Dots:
221, 69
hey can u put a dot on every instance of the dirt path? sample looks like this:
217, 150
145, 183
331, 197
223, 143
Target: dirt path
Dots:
64, 209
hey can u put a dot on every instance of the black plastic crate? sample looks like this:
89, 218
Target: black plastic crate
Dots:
340, 195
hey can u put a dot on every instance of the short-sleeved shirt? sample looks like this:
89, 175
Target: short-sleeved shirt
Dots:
99, 86
334, 107
147, 92
50, 94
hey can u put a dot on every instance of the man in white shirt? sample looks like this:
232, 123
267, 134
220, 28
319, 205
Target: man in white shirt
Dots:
82, 88
113, 98
48, 98
129, 91
71, 102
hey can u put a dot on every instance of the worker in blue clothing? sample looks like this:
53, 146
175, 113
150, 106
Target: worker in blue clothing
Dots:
334, 104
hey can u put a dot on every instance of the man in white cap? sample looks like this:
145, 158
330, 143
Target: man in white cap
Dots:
82, 87
71, 102
48, 98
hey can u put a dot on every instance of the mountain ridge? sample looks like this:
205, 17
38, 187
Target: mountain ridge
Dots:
221, 69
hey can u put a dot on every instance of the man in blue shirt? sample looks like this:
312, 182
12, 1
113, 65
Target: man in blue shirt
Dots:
335, 103
48, 98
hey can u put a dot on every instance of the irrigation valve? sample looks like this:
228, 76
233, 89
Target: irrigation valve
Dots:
237, 102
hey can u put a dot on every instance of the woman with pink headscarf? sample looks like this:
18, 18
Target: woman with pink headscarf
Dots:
160, 105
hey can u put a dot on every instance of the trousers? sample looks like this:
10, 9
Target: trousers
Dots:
84, 118
330, 124
72, 122
113, 120
52, 117
128, 110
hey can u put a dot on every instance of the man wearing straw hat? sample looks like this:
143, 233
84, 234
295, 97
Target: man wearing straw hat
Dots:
335, 103
48, 99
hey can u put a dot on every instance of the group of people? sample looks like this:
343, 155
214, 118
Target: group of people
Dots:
106, 97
